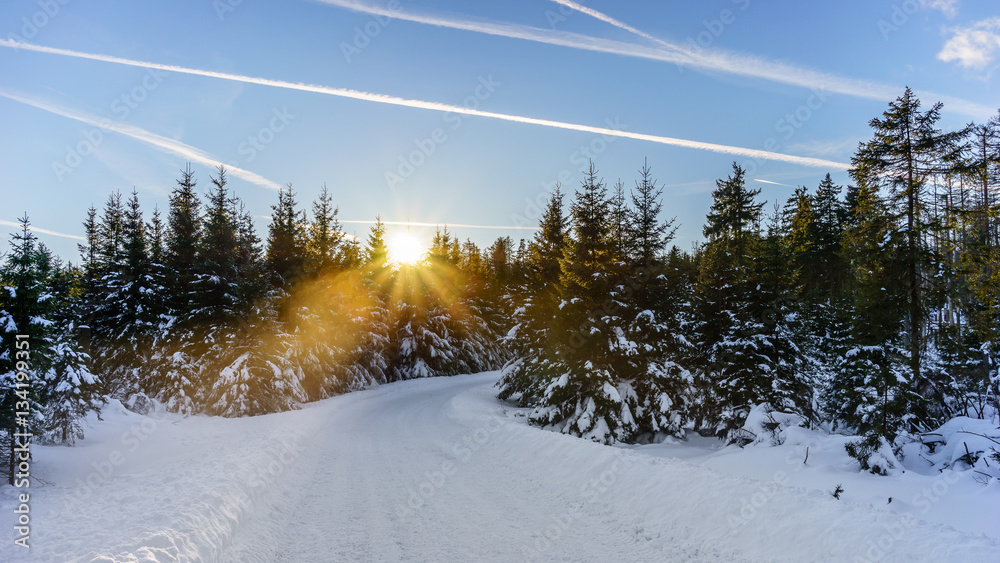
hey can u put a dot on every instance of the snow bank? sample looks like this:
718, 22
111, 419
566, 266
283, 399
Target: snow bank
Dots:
153, 488
427, 469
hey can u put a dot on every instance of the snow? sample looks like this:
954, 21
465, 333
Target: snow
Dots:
435, 469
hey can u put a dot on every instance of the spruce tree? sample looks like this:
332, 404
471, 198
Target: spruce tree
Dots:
730, 326
980, 249
324, 237
585, 400
654, 350
183, 240
130, 308
286, 239
873, 390
376, 252
905, 150
217, 282
534, 364
56, 388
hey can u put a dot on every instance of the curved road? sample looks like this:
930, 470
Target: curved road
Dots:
439, 470
428, 470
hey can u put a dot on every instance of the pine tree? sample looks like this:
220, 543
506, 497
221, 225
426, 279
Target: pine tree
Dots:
182, 243
534, 364
438, 329
619, 216
650, 235
251, 373
249, 267
585, 399
738, 326
819, 276
905, 151
732, 226
22, 298
56, 388
873, 390
109, 313
377, 253
979, 263
547, 249
324, 237
286, 239
217, 282
157, 276
175, 377
90, 249
129, 313
371, 318
496, 299
91, 274
112, 229
654, 351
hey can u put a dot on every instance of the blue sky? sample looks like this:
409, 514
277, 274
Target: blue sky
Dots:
800, 80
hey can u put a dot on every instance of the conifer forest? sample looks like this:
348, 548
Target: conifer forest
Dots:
871, 309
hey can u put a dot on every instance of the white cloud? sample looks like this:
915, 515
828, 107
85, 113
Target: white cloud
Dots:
974, 47
948, 7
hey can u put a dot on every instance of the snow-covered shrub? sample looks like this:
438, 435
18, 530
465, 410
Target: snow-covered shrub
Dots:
766, 425
960, 444
874, 453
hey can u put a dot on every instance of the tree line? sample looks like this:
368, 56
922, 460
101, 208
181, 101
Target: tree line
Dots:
873, 308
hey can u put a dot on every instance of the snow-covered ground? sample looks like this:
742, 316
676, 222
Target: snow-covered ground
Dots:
439, 469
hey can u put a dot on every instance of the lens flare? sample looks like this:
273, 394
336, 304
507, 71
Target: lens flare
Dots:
404, 248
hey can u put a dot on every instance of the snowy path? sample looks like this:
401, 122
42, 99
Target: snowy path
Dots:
427, 475
435, 470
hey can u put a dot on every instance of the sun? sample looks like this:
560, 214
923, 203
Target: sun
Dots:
404, 248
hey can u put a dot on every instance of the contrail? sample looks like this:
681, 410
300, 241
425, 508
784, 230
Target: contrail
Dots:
713, 60
770, 182
435, 106
40, 230
617, 23
158, 142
